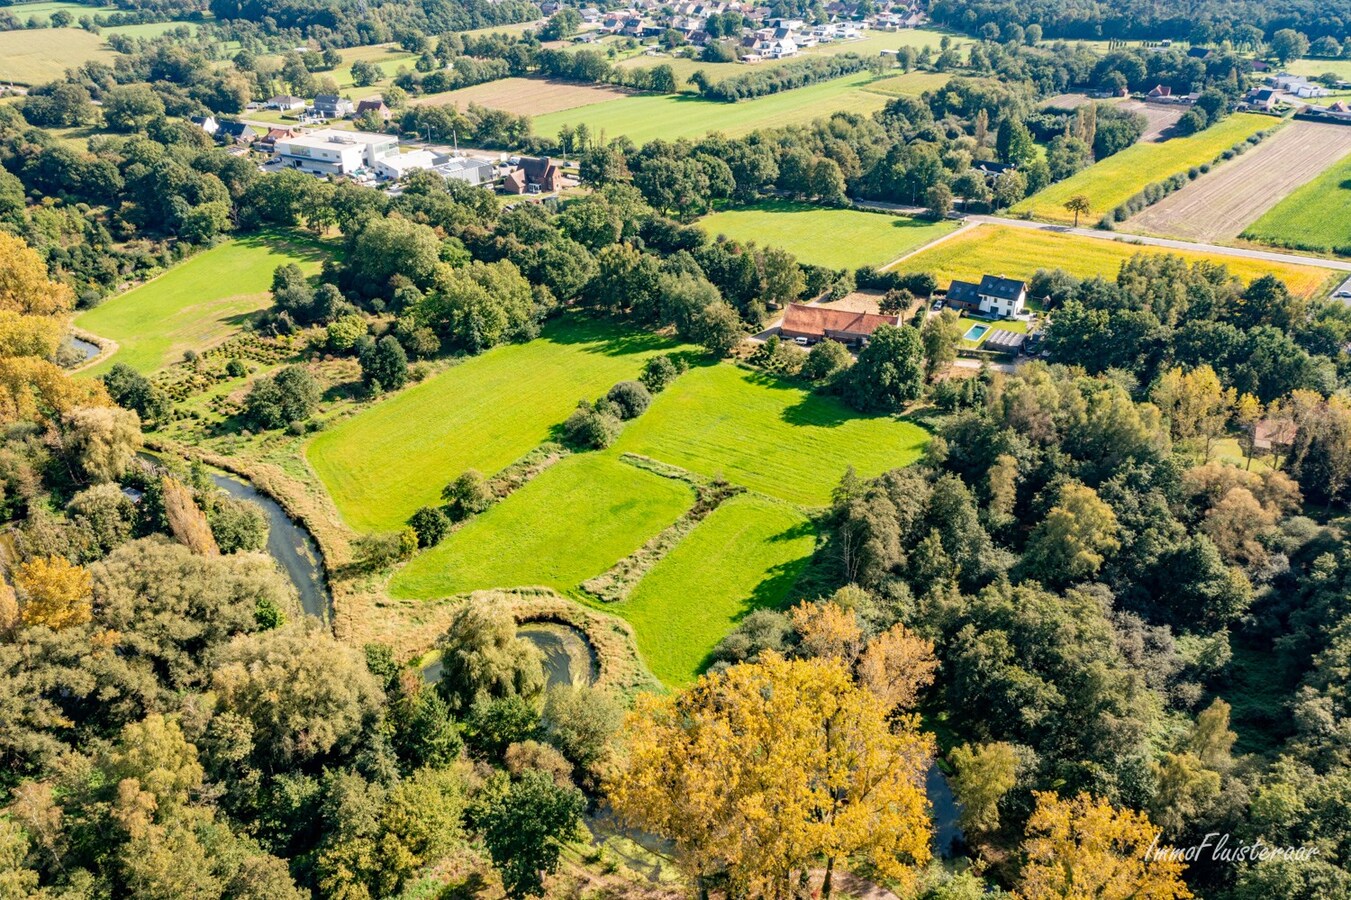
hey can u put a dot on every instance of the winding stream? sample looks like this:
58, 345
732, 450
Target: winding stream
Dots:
289, 544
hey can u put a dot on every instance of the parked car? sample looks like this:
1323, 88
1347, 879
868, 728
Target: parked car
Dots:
800, 341
938, 306
1343, 295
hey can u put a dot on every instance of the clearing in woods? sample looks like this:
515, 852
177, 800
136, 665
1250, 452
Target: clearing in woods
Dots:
1223, 202
1119, 177
1020, 252
526, 96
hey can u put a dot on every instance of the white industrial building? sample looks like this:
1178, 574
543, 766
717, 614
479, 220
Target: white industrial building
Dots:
329, 151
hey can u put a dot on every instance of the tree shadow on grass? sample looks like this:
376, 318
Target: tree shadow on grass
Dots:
305, 247
773, 590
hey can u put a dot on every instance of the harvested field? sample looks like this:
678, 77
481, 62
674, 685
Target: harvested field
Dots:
1312, 217
1161, 118
1222, 203
526, 96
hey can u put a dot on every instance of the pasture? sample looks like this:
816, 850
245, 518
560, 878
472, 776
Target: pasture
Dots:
910, 84
194, 305
485, 413
43, 11
767, 434
1117, 178
568, 524
1224, 201
745, 556
39, 55
837, 238
1019, 252
525, 96
645, 117
1313, 217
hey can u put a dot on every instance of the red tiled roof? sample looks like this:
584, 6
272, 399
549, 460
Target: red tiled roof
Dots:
818, 320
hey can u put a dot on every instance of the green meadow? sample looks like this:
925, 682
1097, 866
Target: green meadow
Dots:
485, 413
645, 117
745, 556
570, 523
196, 304
836, 238
767, 434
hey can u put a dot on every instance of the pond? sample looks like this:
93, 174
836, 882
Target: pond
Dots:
568, 656
289, 544
976, 332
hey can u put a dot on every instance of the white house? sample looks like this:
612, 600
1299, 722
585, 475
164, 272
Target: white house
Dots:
995, 296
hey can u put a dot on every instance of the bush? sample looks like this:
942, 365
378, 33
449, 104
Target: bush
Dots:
430, 525
467, 495
374, 552
630, 399
660, 371
590, 428
826, 360
236, 368
291, 395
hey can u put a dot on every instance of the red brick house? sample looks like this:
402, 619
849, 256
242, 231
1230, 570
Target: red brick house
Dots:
534, 175
816, 323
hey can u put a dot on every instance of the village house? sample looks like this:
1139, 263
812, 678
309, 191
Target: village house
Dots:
375, 105
285, 103
1263, 99
995, 296
236, 132
534, 175
268, 141
331, 106
206, 123
816, 323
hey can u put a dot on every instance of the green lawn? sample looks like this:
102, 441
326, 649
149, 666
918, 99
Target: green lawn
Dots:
1014, 325
837, 238
388, 460
1119, 177
767, 434
744, 556
1020, 252
1313, 217
195, 304
645, 117
568, 524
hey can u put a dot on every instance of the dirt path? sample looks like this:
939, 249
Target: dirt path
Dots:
1223, 202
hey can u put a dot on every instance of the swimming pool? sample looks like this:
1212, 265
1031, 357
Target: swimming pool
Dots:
976, 332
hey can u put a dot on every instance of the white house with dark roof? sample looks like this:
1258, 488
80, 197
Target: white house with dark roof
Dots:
1002, 298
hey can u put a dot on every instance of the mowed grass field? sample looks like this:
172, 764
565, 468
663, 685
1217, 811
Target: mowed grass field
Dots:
1117, 178
525, 96
1019, 252
570, 523
195, 304
767, 434
645, 117
745, 556
837, 238
40, 55
1314, 217
485, 413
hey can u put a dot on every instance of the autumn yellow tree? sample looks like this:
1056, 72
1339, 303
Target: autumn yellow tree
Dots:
985, 773
24, 285
828, 630
767, 769
187, 523
35, 390
896, 666
1084, 848
1071, 543
55, 592
1195, 404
